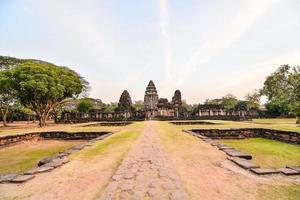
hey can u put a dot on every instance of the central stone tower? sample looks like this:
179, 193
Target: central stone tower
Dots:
151, 100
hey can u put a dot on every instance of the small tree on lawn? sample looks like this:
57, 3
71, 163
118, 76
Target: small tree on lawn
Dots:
43, 86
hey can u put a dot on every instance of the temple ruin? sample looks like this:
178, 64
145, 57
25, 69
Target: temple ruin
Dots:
157, 108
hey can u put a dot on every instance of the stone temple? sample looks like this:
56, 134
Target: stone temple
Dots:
160, 107
157, 108
151, 100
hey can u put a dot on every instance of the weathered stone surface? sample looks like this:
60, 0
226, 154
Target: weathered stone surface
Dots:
79, 147
7, 177
214, 143
56, 163
288, 171
283, 136
168, 186
47, 160
152, 192
70, 151
235, 153
179, 195
223, 146
263, 171
246, 164
128, 175
297, 168
116, 177
61, 155
145, 173
207, 140
126, 187
22, 178
39, 170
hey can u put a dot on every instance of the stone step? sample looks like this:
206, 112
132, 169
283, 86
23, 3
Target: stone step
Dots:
214, 143
207, 140
7, 177
223, 146
297, 168
22, 178
288, 171
246, 164
56, 163
264, 171
39, 170
235, 153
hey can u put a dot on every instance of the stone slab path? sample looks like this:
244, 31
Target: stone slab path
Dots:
145, 173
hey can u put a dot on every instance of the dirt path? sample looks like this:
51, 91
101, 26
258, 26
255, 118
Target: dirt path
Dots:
146, 172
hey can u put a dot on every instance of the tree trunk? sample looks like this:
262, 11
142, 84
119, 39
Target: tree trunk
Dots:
4, 119
298, 120
4, 116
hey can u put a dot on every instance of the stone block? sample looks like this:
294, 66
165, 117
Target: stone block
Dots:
264, 171
7, 177
22, 178
39, 170
297, 168
56, 163
223, 146
207, 140
70, 151
235, 153
47, 160
288, 171
246, 164
214, 143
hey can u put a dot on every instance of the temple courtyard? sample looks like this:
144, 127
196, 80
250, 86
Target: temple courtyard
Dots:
150, 160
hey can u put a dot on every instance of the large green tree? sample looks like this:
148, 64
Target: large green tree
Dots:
43, 86
229, 101
253, 99
7, 94
138, 105
282, 89
85, 105
110, 107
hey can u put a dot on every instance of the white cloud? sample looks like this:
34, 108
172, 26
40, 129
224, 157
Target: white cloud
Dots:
164, 17
224, 35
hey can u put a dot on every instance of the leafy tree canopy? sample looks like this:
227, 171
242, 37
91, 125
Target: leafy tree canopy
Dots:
7, 93
85, 105
138, 105
42, 86
282, 89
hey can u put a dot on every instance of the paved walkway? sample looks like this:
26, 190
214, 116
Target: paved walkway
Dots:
146, 172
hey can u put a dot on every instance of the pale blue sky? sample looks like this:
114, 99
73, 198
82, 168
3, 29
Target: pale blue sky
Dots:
204, 48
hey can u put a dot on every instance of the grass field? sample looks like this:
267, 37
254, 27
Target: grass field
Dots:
22, 157
277, 124
268, 153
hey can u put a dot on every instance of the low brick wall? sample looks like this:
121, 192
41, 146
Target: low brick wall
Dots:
220, 117
110, 124
60, 135
182, 123
283, 136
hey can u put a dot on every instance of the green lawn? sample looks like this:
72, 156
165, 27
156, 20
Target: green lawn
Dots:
288, 191
268, 153
22, 157
128, 135
285, 124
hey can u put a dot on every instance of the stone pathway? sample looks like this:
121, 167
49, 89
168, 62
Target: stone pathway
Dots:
145, 173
